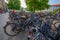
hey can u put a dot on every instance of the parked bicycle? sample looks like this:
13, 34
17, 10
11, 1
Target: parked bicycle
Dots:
47, 31
16, 27
13, 28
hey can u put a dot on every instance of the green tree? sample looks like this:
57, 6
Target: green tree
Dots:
14, 4
33, 5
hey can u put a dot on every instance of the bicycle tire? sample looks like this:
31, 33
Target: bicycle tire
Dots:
8, 33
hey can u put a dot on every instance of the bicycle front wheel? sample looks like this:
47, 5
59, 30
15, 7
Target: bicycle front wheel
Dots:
10, 29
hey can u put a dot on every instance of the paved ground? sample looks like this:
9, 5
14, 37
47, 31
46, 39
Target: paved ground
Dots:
3, 36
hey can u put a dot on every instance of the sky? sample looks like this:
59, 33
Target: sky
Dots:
23, 4
54, 1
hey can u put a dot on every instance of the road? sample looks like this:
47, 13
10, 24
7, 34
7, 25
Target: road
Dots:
3, 36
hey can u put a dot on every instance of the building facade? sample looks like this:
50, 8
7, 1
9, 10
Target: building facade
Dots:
54, 6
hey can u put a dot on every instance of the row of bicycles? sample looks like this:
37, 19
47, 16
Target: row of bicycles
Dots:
47, 26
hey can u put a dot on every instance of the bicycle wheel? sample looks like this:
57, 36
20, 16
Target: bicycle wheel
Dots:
57, 25
11, 29
53, 30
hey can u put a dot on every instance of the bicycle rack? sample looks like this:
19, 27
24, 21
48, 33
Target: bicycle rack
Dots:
38, 37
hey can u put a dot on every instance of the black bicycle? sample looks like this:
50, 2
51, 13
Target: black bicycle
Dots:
13, 28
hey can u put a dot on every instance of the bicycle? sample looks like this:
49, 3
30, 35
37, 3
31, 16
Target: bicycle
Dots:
45, 29
13, 28
58, 30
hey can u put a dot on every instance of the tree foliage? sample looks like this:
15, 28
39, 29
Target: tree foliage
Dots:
33, 5
14, 4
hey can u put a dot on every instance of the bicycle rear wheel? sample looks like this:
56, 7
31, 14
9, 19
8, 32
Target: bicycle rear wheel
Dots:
11, 29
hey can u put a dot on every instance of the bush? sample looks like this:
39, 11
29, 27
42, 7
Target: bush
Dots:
54, 11
59, 10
